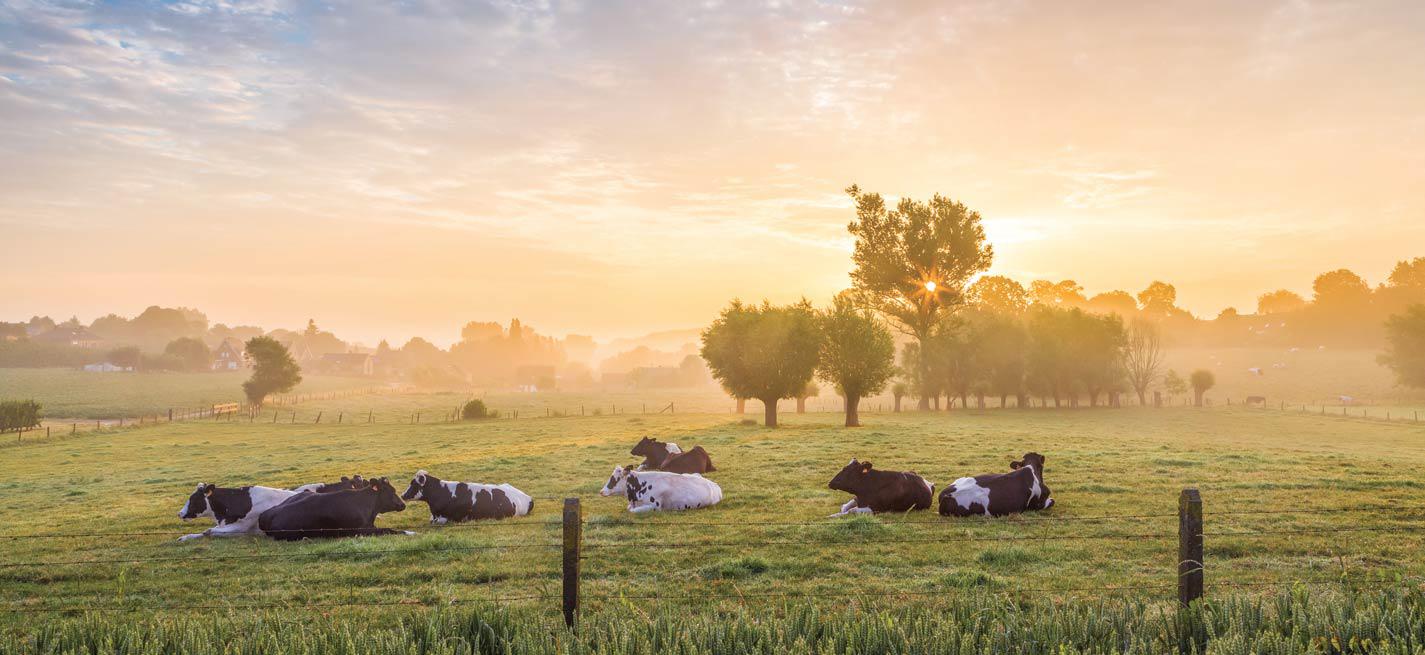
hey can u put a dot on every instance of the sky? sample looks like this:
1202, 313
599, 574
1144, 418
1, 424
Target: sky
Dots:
618, 167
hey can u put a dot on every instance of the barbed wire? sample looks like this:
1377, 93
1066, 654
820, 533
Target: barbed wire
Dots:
253, 556
273, 606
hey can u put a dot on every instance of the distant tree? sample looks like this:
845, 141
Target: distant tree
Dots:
809, 391
1280, 301
126, 356
19, 415
1098, 343
998, 294
857, 354
1340, 287
1143, 358
1405, 347
912, 262
1174, 384
1064, 293
899, 390
1201, 380
475, 409
1114, 302
763, 352
1002, 343
1049, 360
274, 370
1409, 274
1159, 299
190, 352
312, 329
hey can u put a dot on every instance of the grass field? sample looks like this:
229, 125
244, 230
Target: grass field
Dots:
1100, 463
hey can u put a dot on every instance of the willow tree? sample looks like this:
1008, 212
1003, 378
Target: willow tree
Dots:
858, 355
912, 263
764, 352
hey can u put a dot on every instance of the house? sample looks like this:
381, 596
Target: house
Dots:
230, 355
347, 364
71, 335
106, 367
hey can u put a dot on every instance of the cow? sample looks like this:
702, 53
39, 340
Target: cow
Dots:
354, 482
999, 494
654, 452
651, 491
235, 509
693, 461
466, 501
346, 513
881, 491
1255, 370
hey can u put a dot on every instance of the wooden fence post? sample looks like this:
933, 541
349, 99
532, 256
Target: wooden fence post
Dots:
319, 419
1190, 565
573, 534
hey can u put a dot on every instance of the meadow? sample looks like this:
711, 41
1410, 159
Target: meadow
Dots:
1331, 503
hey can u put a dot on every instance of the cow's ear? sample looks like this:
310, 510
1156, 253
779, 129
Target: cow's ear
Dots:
1014, 466
208, 489
865, 467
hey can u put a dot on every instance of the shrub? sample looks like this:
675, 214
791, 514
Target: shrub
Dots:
19, 415
475, 409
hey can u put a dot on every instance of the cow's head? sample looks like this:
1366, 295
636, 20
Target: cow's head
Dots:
197, 504
386, 498
618, 482
850, 478
354, 482
419, 485
648, 447
1030, 459
1035, 462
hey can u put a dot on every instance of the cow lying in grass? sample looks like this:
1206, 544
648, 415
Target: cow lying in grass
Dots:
348, 513
881, 491
649, 491
999, 494
236, 509
659, 456
466, 501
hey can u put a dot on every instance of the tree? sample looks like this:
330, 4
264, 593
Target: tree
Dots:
1280, 301
191, 353
857, 354
1143, 358
1405, 346
912, 262
1174, 384
475, 409
809, 391
19, 415
899, 390
1409, 274
1159, 299
274, 370
1002, 343
1201, 380
1097, 346
998, 294
763, 352
1340, 287
1064, 293
1114, 302
126, 357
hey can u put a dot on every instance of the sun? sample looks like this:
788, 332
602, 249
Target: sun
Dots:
930, 286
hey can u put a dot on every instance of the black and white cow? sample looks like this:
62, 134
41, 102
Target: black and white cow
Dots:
347, 513
654, 453
235, 509
467, 501
999, 494
881, 491
649, 491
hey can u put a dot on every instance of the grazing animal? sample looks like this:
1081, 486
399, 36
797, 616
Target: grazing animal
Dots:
1255, 371
1257, 400
654, 452
235, 509
651, 491
347, 513
693, 461
466, 501
881, 491
998, 494
354, 482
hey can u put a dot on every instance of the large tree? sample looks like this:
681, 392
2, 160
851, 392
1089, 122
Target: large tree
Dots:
998, 294
1280, 301
274, 370
1405, 346
192, 352
857, 354
1143, 358
763, 352
1201, 380
912, 262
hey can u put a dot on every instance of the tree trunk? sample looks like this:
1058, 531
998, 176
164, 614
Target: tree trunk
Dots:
964, 400
937, 403
898, 404
853, 415
769, 412
922, 369
801, 405
741, 405
980, 401
1057, 403
1143, 397
1197, 397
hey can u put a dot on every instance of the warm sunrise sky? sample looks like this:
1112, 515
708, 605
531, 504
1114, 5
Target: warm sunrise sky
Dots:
617, 167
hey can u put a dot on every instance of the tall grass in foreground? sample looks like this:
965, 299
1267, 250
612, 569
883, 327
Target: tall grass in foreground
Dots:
1391, 621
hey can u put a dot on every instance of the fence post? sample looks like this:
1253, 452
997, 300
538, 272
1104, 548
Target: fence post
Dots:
573, 534
319, 418
1190, 565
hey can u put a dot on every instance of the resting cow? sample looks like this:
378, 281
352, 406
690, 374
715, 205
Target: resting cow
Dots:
659, 490
998, 494
654, 452
881, 491
354, 482
349, 513
235, 509
466, 501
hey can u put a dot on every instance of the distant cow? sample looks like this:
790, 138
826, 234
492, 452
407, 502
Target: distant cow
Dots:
651, 491
654, 452
235, 509
998, 494
466, 501
881, 491
1257, 400
1255, 371
349, 513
